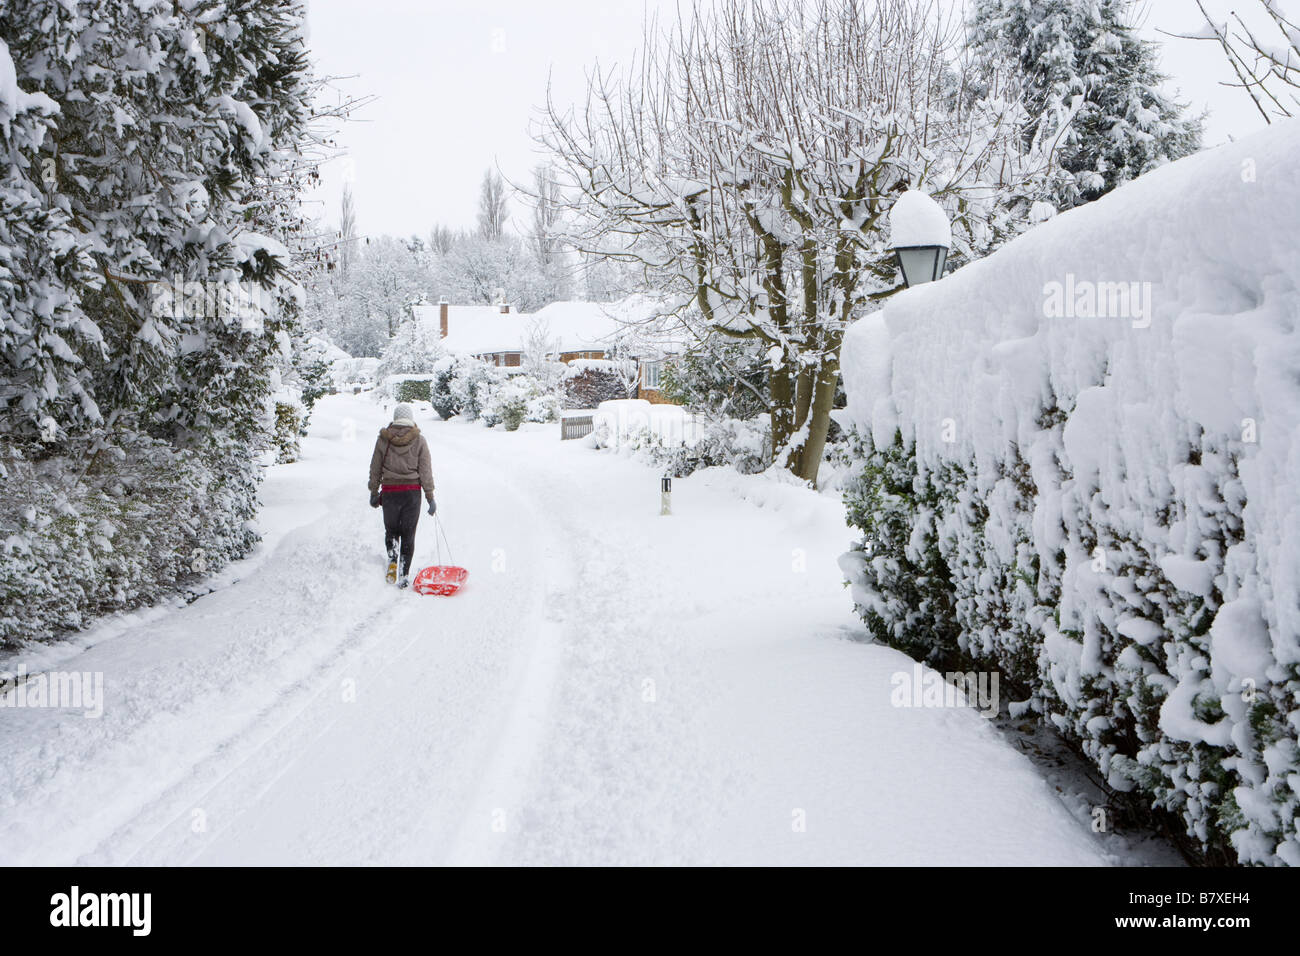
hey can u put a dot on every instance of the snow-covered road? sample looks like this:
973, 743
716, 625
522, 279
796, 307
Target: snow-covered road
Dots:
611, 687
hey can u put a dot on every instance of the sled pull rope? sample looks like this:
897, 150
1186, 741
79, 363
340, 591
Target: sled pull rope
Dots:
437, 523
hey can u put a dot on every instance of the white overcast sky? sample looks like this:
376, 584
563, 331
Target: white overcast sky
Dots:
458, 83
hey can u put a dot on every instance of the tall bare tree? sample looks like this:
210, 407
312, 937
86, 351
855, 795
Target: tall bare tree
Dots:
546, 216
492, 214
748, 164
442, 239
347, 233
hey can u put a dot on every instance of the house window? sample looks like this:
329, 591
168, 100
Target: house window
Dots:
654, 375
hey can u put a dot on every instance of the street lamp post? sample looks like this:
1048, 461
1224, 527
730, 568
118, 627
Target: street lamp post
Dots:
920, 236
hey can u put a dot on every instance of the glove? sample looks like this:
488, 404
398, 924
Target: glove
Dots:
374, 499
433, 506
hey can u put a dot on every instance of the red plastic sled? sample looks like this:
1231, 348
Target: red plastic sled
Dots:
440, 579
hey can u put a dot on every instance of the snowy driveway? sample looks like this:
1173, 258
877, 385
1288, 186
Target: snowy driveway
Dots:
611, 687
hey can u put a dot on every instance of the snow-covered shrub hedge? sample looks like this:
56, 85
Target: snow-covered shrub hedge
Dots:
510, 405
491, 395
720, 378
1095, 488
290, 419
730, 443
589, 382
352, 373
520, 399
544, 407
617, 422
413, 390
148, 299
73, 550
673, 438
441, 397
472, 386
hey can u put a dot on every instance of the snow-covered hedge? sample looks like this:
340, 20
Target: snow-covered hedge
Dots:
409, 388
743, 446
73, 550
290, 425
148, 294
1080, 465
588, 382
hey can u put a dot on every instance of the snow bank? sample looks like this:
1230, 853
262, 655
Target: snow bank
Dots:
1106, 419
616, 422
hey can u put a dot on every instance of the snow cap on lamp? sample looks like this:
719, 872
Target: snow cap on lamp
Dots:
917, 220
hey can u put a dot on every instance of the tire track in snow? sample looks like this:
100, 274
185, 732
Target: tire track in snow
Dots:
516, 738
241, 765
250, 765
596, 773
468, 657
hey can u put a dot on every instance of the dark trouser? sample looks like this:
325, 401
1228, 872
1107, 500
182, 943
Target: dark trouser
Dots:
401, 515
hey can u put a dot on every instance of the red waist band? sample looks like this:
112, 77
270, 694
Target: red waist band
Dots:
400, 488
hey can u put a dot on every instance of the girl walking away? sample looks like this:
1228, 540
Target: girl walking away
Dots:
400, 469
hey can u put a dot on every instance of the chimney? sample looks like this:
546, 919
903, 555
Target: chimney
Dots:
442, 318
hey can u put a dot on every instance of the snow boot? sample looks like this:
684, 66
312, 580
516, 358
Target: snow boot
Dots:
392, 572
403, 581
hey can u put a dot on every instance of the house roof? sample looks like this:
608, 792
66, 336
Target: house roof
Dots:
569, 326
474, 329
581, 326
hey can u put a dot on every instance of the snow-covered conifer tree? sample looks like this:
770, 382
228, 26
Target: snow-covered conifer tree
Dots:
1090, 83
153, 155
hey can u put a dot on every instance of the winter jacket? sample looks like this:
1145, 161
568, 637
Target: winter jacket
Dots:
401, 457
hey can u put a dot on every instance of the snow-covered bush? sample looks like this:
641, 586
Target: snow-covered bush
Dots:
74, 550
316, 382
463, 385
637, 424
410, 388
720, 379
588, 382
510, 405
290, 420
314, 369
472, 385
730, 443
440, 394
520, 399
544, 407
1080, 466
